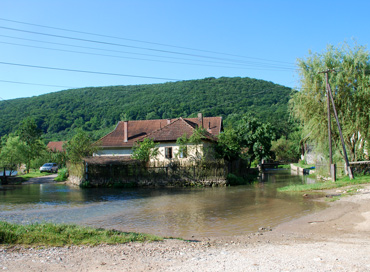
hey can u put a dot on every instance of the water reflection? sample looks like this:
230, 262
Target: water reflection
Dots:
179, 212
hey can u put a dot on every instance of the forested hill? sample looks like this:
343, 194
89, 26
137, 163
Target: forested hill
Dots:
98, 109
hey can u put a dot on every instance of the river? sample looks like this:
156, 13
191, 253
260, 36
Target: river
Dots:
176, 212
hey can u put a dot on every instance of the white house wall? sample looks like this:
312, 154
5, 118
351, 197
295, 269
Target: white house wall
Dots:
193, 152
114, 152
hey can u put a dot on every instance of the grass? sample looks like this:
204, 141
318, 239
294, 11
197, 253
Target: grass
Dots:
284, 166
33, 174
49, 234
342, 182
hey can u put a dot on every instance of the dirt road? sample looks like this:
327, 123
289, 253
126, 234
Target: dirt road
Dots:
41, 180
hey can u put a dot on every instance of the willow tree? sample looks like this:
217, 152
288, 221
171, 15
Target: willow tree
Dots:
350, 84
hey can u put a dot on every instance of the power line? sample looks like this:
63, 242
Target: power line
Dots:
141, 54
83, 71
140, 41
120, 45
36, 84
123, 57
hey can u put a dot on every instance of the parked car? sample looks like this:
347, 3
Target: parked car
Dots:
49, 167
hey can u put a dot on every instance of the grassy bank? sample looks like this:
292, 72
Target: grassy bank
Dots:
33, 174
342, 182
49, 234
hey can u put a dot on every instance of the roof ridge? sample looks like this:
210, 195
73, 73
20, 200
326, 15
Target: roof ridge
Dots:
154, 131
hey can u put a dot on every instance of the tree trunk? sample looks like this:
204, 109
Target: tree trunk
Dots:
4, 180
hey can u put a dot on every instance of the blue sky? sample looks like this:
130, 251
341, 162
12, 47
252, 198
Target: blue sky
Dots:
141, 42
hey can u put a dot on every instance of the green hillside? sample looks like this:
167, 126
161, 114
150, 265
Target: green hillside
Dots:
98, 109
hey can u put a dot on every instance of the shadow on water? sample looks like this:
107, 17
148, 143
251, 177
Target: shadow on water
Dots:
179, 212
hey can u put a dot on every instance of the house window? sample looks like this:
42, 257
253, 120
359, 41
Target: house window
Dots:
168, 152
183, 152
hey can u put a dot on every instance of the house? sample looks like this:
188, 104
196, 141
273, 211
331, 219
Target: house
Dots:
56, 146
165, 133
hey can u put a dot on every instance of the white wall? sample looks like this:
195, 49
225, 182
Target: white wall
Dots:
193, 152
114, 152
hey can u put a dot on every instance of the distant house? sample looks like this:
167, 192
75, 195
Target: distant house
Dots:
56, 146
165, 132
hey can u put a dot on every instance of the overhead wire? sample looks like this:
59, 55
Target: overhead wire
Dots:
36, 84
84, 71
133, 58
141, 41
241, 64
122, 45
108, 50
133, 53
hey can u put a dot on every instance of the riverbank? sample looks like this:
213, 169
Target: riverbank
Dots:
335, 239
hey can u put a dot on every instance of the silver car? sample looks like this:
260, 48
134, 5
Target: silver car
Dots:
49, 167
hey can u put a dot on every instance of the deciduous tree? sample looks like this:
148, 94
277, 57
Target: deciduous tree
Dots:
30, 134
249, 140
11, 154
80, 146
351, 90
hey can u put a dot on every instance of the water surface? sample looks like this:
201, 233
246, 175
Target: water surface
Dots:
179, 212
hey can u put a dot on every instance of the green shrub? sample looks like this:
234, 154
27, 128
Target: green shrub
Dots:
235, 180
62, 175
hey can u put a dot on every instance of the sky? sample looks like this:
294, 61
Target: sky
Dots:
48, 46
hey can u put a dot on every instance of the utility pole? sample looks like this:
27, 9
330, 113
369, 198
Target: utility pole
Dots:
329, 118
330, 97
331, 166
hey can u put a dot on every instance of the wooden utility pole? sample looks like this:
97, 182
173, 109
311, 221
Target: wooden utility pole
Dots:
348, 168
329, 119
330, 96
331, 169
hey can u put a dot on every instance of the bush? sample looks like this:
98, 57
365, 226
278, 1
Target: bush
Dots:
235, 180
62, 175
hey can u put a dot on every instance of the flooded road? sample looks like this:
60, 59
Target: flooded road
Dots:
177, 212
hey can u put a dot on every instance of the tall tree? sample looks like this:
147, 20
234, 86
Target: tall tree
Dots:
30, 134
249, 140
351, 91
11, 154
80, 146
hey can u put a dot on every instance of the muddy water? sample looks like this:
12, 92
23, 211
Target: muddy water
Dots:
179, 212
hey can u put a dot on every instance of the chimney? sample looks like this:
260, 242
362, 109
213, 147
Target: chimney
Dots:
200, 119
125, 136
168, 121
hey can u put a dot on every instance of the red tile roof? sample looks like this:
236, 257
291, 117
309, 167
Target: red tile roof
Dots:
175, 130
160, 130
56, 146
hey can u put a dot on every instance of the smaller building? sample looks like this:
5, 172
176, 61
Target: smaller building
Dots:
56, 146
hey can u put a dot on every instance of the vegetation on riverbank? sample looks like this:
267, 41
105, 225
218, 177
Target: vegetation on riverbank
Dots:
33, 174
49, 234
62, 174
342, 182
